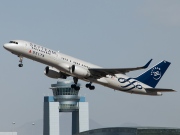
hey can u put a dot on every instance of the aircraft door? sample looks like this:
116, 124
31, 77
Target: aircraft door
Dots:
56, 56
25, 46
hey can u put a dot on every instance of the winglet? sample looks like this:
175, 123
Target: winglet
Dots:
145, 66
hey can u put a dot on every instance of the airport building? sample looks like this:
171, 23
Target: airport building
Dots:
132, 131
65, 99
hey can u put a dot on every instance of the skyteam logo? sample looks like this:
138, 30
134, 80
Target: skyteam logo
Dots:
156, 73
129, 83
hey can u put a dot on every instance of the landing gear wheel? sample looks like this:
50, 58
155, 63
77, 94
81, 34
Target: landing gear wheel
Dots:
77, 88
20, 65
92, 87
73, 86
88, 85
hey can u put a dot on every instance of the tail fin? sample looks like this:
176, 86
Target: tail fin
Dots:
153, 75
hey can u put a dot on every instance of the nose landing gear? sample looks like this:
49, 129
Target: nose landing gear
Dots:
20, 60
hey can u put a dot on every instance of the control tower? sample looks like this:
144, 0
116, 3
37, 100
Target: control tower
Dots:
65, 99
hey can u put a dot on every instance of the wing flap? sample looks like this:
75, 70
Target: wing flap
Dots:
159, 90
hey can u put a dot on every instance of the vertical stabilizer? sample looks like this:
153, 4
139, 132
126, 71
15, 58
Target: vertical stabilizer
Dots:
153, 75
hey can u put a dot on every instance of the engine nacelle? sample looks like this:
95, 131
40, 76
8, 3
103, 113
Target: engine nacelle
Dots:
80, 72
54, 73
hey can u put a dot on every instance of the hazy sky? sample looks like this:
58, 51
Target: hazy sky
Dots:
108, 33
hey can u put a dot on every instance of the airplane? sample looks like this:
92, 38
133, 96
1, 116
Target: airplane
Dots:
62, 66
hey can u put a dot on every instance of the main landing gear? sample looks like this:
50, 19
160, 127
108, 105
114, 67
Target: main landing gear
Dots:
20, 60
74, 86
91, 87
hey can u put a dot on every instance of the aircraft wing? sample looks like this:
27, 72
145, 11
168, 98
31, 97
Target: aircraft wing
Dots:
102, 72
159, 90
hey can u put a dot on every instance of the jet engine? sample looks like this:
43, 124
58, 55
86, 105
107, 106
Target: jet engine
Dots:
80, 72
54, 73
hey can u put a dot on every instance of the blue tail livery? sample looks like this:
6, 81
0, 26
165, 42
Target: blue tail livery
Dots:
153, 75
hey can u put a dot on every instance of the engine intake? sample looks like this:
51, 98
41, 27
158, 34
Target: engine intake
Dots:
80, 72
54, 73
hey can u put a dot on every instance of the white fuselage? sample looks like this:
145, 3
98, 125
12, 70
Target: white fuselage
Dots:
63, 63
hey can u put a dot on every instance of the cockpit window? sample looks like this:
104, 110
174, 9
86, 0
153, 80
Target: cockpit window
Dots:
13, 42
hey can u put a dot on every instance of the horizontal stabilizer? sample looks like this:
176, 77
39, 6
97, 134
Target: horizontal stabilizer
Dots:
159, 90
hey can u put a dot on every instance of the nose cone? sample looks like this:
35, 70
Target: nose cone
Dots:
7, 46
